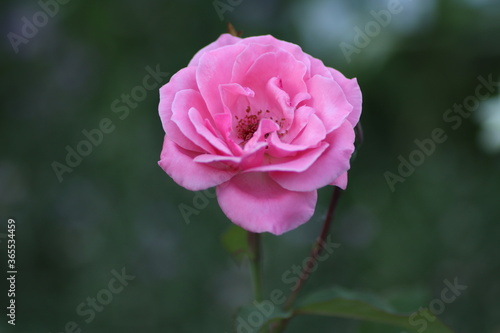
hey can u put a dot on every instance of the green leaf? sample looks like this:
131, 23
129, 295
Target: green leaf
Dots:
235, 241
258, 316
337, 302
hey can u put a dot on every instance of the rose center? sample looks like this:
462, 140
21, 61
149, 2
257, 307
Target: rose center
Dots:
247, 125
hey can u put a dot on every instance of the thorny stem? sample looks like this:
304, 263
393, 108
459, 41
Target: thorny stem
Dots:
316, 251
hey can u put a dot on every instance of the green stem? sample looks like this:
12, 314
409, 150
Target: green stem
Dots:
255, 256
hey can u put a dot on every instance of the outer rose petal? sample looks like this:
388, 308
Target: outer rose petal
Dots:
258, 204
352, 93
178, 163
328, 167
184, 79
223, 40
329, 101
294, 49
318, 67
341, 181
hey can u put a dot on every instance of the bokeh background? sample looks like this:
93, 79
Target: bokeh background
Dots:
117, 209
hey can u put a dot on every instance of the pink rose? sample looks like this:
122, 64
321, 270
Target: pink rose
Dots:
264, 122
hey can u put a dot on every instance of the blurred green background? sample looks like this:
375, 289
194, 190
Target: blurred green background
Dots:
117, 209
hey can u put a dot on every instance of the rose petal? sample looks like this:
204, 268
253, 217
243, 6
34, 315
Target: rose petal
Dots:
327, 168
212, 72
179, 164
223, 40
341, 181
319, 68
352, 93
223, 122
219, 161
202, 128
329, 101
281, 103
299, 99
235, 98
258, 204
246, 58
278, 148
293, 49
185, 100
300, 120
297, 163
269, 65
184, 79
312, 134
